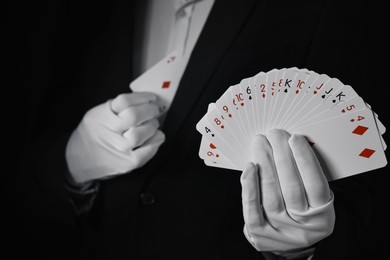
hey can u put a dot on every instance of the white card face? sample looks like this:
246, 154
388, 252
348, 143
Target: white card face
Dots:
344, 93
229, 133
261, 94
291, 95
212, 156
207, 130
346, 145
236, 98
381, 127
319, 98
271, 88
285, 76
314, 96
298, 101
162, 79
227, 117
246, 87
353, 104
346, 134
209, 152
311, 91
292, 81
222, 165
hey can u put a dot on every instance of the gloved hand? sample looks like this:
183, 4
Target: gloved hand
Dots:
115, 137
287, 202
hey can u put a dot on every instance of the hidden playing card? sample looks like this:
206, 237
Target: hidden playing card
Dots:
162, 79
344, 131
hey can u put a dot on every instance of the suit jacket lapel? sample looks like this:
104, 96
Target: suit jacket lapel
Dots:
224, 23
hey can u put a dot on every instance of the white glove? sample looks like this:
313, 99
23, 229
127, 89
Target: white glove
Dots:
287, 202
115, 137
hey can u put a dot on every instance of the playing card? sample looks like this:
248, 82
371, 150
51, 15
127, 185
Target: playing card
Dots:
298, 98
287, 89
292, 94
353, 104
277, 97
381, 127
260, 93
317, 99
236, 99
310, 90
211, 131
210, 153
227, 119
342, 128
212, 156
271, 89
346, 145
162, 79
346, 92
248, 111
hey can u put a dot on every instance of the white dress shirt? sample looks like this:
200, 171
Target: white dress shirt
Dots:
168, 25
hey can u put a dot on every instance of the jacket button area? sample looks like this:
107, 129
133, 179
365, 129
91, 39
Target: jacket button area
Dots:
147, 198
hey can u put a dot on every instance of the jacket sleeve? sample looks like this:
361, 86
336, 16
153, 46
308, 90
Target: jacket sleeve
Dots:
341, 48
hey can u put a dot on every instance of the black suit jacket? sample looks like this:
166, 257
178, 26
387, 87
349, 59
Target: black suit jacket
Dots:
77, 55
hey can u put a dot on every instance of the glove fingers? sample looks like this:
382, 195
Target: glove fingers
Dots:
136, 115
289, 178
271, 195
313, 178
123, 101
251, 197
139, 134
145, 152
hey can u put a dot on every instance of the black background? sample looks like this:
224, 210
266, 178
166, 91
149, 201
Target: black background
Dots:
18, 21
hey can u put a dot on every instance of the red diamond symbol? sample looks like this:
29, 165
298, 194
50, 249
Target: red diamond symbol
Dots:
367, 153
166, 84
360, 130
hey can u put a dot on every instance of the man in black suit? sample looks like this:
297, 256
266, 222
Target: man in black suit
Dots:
173, 206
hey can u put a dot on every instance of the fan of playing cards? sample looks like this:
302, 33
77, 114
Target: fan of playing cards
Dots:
341, 127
